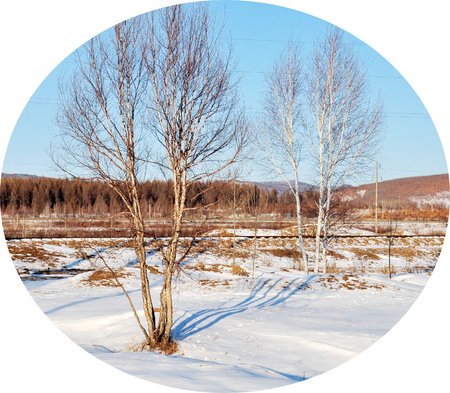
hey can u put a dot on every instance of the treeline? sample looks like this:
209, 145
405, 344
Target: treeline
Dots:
44, 196
55, 197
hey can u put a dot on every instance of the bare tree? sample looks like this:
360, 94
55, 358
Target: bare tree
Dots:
342, 124
391, 233
193, 115
170, 67
101, 132
279, 131
236, 201
256, 201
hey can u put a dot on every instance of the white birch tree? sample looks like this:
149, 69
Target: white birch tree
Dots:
342, 125
279, 129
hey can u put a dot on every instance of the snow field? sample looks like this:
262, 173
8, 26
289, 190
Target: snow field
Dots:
234, 333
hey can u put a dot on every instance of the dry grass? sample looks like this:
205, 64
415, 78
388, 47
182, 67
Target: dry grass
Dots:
213, 283
104, 278
284, 253
32, 251
406, 253
168, 349
385, 270
153, 270
348, 281
223, 233
333, 269
239, 271
228, 253
215, 267
335, 254
366, 254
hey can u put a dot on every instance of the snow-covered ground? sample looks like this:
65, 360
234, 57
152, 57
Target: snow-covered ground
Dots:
235, 333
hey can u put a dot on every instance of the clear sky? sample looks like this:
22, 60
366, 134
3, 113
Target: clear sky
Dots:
411, 147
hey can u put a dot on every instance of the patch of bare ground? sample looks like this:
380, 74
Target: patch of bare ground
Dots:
284, 253
104, 278
241, 251
153, 270
200, 266
33, 251
346, 281
211, 283
366, 253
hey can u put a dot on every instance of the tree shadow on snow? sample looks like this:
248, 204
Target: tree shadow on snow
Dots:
260, 297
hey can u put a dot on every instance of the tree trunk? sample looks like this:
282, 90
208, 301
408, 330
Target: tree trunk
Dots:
146, 297
320, 219
326, 225
300, 235
166, 310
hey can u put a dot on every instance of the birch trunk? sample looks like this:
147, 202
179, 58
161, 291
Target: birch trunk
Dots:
300, 233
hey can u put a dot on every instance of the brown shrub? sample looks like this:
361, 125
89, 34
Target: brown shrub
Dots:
385, 270
239, 271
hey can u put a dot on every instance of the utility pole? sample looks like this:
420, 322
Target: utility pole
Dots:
376, 200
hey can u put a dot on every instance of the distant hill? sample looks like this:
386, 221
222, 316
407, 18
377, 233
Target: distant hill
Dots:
282, 186
421, 188
19, 175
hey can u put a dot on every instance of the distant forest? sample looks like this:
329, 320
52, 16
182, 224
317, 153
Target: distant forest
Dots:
36, 196
29, 196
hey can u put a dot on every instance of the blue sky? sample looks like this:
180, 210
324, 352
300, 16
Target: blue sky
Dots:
411, 146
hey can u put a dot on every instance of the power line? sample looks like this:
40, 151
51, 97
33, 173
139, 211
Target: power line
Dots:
407, 115
23, 163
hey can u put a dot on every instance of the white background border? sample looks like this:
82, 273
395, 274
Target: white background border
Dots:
37, 35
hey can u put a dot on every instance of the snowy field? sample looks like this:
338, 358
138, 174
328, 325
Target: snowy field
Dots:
235, 332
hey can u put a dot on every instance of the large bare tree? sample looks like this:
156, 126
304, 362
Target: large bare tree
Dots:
279, 132
193, 115
169, 68
343, 123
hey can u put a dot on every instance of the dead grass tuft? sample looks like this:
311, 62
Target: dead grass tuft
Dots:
365, 253
335, 254
213, 283
104, 278
167, 349
215, 267
284, 253
408, 253
333, 269
153, 270
385, 270
349, 282
239, 271
32, 251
